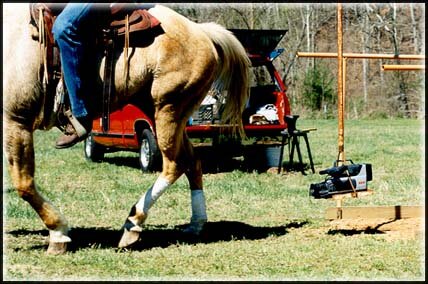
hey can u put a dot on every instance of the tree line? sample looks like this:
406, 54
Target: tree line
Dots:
380, 28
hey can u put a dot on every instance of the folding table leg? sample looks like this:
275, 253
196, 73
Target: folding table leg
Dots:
291, 153
305, 136
284, 137
299, 154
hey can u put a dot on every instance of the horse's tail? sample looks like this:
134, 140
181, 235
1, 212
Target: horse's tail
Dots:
232, 73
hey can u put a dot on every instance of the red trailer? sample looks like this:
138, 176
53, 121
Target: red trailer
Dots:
131, 128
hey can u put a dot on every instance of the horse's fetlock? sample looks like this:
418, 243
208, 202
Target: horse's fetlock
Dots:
137, 220
59, 235
56, 223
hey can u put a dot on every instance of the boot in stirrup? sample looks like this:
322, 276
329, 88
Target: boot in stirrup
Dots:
77, 130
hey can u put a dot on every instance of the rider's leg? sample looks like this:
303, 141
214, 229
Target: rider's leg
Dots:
74, 32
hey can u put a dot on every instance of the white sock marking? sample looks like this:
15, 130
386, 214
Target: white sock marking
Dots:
154, 192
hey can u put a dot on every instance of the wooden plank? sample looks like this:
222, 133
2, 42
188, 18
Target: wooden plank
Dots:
307, 130
387, 212
405, 67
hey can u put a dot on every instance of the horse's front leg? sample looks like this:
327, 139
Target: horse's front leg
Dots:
169, 137
20, 154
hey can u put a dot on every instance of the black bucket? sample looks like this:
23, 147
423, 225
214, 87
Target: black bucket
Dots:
262, 156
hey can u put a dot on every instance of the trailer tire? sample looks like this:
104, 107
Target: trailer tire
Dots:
149, 154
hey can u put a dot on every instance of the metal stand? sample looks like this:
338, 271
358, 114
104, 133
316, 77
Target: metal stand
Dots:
291, 136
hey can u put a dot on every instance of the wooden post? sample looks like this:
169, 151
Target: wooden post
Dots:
344, 88
339, 203
340, 92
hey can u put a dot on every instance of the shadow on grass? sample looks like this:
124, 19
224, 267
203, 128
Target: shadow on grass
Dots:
351, 232
212, 162
131, 162
161, 236
369, 230
214, 165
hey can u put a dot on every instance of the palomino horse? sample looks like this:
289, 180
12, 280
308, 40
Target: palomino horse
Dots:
179, 68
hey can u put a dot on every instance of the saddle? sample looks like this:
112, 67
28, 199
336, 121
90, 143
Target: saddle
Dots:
124, 18
128, 26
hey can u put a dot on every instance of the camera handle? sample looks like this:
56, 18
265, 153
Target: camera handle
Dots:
354, 193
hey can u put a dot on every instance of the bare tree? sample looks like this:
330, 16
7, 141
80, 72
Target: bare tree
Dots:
370, 28
365, 38
415, 35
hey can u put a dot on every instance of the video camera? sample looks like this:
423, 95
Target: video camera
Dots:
342, 179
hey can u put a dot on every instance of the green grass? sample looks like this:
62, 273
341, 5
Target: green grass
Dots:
263, 226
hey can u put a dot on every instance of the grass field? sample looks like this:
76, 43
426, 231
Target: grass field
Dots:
262, 226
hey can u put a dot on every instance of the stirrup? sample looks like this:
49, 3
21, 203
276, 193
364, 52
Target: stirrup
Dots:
80, 130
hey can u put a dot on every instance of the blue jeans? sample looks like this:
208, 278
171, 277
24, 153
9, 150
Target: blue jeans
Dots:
75, 31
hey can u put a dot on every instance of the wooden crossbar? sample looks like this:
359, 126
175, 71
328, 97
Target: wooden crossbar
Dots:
403, 67
362, 55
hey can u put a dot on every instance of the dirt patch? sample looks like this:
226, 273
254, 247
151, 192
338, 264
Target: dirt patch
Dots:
399, 229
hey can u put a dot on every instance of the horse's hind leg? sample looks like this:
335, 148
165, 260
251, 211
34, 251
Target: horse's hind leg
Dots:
20, 154
194, 175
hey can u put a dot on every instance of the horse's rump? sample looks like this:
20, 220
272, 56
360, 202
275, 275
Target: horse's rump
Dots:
232, 63
232, 74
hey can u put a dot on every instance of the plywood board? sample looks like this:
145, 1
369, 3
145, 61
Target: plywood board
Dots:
389, 212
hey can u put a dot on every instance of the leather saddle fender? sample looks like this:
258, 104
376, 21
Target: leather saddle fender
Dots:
125, 20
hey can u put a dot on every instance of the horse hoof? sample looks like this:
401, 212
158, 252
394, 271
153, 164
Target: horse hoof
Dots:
128, 238
195, 228
57, 248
